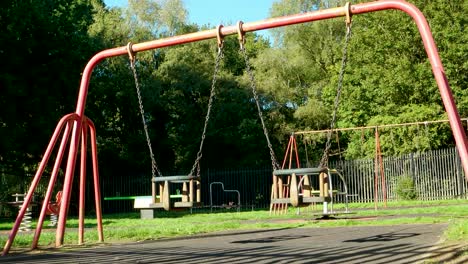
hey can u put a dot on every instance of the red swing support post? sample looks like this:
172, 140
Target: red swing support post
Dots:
78, 123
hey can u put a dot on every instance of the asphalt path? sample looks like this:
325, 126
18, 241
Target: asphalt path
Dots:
357, 244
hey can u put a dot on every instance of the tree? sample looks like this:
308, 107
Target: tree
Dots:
45, 46
298, 72
186, 76
388, 78
161, 18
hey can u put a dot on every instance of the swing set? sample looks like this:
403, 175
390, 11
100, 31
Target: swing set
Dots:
375, 132
162, 198
294, 185
75, 128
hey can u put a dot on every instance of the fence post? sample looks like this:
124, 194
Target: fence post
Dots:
460, 177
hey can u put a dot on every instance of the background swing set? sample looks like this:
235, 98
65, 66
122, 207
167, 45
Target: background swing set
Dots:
76, 127
372, 133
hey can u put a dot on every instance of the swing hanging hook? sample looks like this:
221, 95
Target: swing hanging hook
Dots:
241, 34
219, 37
131, 53
348, 13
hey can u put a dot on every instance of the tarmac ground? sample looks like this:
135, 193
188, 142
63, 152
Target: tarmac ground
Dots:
412, 243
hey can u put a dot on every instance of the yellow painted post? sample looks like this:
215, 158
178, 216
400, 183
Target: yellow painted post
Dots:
306, 188
165, 195
321, 185
274, 193
153, 192
161, 190
184, 192
293, 191
326, 179
191, 191
198, 191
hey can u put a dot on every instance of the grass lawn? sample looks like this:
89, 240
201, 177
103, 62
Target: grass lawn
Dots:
129, 227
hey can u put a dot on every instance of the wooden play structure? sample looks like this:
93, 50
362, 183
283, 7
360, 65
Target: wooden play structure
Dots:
162, 185
76, 128
301, 187
191, 185
162, 196
294, 184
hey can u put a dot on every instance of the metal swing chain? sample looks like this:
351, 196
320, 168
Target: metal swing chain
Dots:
219, 56
274, 161
154, 166
324, 160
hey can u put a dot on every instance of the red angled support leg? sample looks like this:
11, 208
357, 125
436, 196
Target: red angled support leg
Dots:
97, 189
81, 207
53, 179
82, 129
70, 121
37, 178
67, 185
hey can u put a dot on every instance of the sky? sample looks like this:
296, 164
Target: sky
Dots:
226, 12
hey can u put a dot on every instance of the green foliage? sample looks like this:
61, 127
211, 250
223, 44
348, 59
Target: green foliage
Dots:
45, 46
388, 80
405, 188
160, 18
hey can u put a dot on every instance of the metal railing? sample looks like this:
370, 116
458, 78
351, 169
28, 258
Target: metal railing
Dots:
437, 175
230, 204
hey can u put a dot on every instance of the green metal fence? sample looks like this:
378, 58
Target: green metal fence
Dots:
436, 175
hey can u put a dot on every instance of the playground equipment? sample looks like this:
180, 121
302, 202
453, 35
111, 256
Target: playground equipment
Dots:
295, 186
286, 189
189, 198
19, 202
75, 126
54, 208
374, 133
238, 205
301, 192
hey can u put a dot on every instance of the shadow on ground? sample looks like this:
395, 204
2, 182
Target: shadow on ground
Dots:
369, 244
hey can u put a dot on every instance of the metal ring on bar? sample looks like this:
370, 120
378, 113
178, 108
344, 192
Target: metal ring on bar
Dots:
240, 34
131, 53
348, 13
219, 36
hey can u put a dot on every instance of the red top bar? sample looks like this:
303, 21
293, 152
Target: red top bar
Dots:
362, 8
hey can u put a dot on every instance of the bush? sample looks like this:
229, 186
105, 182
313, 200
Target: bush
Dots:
405, 188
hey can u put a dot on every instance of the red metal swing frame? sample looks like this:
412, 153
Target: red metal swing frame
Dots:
78, 124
